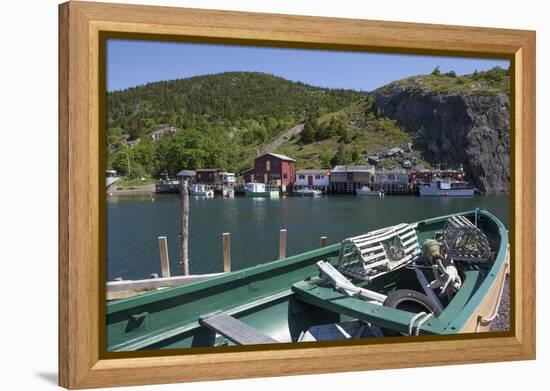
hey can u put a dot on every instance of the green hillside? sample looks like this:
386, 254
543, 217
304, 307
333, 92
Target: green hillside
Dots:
490, 82
220, 120
224, 120
346, 136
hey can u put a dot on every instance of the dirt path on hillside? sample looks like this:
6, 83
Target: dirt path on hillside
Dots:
282, 138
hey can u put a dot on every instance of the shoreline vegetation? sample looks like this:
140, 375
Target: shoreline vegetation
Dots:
225, 120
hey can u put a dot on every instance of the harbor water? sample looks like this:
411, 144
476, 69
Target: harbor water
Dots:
135, 222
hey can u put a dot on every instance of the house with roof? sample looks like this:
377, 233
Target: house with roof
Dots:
187, 175
271, 168
313, 178
208, 176
347, 179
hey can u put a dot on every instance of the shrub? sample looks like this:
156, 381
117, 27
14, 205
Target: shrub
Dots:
436, 71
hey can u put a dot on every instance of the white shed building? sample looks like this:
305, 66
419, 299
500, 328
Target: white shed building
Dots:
316, 179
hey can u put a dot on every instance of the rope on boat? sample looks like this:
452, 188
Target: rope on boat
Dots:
413, 320
424, 317
421, 323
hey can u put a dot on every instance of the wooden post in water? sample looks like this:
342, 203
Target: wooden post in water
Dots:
226, 252
164, 260
282, 243
184, 253
323, 242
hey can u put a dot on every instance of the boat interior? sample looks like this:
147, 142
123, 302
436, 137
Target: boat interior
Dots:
408, 279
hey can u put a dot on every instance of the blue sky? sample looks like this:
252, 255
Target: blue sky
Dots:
132, 62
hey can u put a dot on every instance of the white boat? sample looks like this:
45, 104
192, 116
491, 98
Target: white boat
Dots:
446, 187
260, 190
366, 191
201, 190
307, 192
228, 193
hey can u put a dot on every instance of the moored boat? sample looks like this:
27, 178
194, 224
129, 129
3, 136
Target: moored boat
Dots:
260, 190
406, 279
446, 187
198, 189
366, 191
307, 192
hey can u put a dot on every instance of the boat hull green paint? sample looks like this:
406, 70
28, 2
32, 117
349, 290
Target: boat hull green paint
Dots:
263, 194
276, 299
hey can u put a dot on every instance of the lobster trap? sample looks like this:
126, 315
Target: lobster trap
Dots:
378, 252
463, 241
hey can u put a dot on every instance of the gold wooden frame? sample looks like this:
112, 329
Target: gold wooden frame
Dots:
81, 364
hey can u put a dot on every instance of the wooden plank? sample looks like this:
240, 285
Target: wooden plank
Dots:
152, 283
372, 249
282, 243
407, 234
226, 252
374, 256
340, 282
379, 233
235, 330
383, 237
411, 248
466, 221
335, 301
164, 260
409, 241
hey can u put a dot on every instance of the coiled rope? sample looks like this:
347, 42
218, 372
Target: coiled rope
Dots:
422, 318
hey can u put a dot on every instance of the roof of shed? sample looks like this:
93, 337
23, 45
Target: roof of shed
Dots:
186, 173
279, 156
323, 171
353, 169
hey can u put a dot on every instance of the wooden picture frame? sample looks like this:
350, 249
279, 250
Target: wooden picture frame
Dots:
81, 194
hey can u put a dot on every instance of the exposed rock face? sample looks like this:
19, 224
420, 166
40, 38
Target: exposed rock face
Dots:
455, 127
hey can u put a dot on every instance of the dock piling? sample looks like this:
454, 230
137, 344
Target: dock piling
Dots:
282, 243
164, 260
323, 241
184, 245
226, 252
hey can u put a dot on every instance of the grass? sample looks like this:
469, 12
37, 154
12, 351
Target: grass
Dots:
368, 133
483, 83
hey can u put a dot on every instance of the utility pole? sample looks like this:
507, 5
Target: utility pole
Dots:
184, 253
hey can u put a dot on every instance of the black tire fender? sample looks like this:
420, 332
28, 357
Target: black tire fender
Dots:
412, 301
398, 298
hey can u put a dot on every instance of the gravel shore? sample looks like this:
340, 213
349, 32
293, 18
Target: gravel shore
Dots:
502, 321
133, 190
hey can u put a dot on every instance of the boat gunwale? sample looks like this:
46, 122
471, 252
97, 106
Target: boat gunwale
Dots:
491, 278
252, 271
454, 322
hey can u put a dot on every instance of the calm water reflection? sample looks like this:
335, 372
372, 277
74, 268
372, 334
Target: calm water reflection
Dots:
134, 223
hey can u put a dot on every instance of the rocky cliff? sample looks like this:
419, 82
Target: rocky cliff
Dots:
455, 120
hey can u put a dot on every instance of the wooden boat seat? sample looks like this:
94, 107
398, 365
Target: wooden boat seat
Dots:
368, 311
235, 330
351, 329
377, 252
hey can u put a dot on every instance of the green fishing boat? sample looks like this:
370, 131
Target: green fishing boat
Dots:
438, 276
260, 190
